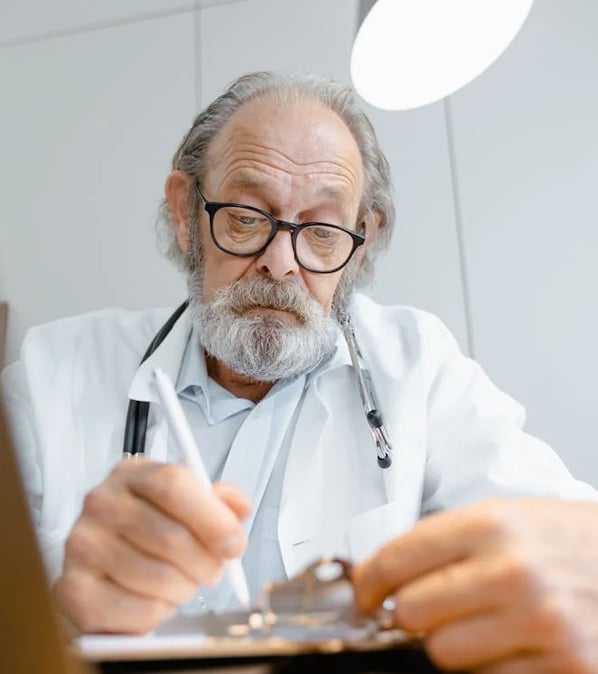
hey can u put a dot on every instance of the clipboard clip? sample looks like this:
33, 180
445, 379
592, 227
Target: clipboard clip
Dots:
315, 606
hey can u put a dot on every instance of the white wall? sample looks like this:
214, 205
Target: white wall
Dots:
90, 119
526, 148
494, 187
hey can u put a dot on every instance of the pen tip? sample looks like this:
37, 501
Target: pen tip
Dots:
244, 597
242, 591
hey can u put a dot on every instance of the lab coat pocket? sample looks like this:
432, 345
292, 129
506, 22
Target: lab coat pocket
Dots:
371, 529
305, 546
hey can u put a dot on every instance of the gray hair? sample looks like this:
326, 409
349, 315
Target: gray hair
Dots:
192, 152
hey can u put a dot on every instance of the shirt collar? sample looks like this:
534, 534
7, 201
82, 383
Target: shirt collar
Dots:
194, 384
182, 356
193, 373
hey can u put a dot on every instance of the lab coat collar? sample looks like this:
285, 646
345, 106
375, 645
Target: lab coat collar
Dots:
339, 358
168, 356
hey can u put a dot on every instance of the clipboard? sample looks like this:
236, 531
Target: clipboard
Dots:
308, 621
182, 646
35, 640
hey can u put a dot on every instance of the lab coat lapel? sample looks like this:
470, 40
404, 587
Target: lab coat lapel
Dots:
168, 356
321, 494
378, 503
300, 500
405, 418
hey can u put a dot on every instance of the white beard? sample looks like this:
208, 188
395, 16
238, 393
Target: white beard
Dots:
262, 346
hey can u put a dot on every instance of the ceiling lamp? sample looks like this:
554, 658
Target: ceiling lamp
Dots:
408, 53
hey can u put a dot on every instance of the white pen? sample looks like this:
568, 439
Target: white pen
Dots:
184, 437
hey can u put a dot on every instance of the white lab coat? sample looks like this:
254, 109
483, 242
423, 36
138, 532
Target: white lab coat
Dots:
456, 437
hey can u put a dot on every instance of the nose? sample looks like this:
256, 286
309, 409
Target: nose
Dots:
278, 260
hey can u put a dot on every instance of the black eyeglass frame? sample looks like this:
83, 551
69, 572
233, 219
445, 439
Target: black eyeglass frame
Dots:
212, 207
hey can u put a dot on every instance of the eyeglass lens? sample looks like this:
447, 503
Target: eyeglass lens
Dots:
243, 231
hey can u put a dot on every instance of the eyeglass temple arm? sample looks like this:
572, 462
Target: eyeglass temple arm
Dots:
368, 397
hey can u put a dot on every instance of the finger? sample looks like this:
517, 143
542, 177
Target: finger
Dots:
526, 664
234, 498
475, 585
96, 604
179, 494
147, 528
436, 541
151, 531
92, 548
479, 640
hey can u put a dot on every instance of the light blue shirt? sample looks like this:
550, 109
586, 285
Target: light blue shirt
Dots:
246, 444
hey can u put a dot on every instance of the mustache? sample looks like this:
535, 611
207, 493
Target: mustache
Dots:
263, 293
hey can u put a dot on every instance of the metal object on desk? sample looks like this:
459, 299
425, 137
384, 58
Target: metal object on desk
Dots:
304, 624
312, 612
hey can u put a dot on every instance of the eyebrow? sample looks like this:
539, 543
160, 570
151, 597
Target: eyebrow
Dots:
334, 192
248, 181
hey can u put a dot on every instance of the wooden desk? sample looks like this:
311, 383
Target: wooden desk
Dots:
3, 330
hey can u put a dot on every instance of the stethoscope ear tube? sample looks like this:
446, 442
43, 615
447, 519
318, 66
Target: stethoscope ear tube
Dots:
138, 410
368, 397
136, 428
130, 430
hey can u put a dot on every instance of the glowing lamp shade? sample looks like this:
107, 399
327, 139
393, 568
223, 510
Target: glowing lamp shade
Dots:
408, 53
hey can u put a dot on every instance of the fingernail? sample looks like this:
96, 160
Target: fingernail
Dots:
232, 546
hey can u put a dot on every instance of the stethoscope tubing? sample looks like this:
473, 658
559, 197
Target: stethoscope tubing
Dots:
138, 410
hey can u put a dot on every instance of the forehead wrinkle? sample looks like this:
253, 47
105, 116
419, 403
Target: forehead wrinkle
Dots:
258, 177
240, 140
246, 162
243, 156
259, 149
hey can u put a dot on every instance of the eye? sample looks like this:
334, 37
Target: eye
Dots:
321, 235
244, 218
247, 220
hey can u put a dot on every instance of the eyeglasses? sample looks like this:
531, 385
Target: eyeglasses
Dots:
246, 231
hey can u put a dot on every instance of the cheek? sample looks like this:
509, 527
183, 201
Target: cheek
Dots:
322, 287
220, 271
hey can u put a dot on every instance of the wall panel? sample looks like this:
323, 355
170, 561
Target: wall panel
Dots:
526, 142
90, 122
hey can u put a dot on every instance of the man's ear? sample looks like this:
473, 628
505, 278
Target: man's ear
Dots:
372, 226
176, 190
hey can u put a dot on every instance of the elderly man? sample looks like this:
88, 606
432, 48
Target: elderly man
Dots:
278, 199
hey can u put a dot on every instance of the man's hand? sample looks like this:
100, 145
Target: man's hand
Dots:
147, 538
503, 587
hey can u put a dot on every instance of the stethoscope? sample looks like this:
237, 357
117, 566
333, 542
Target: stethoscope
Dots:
138, 410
